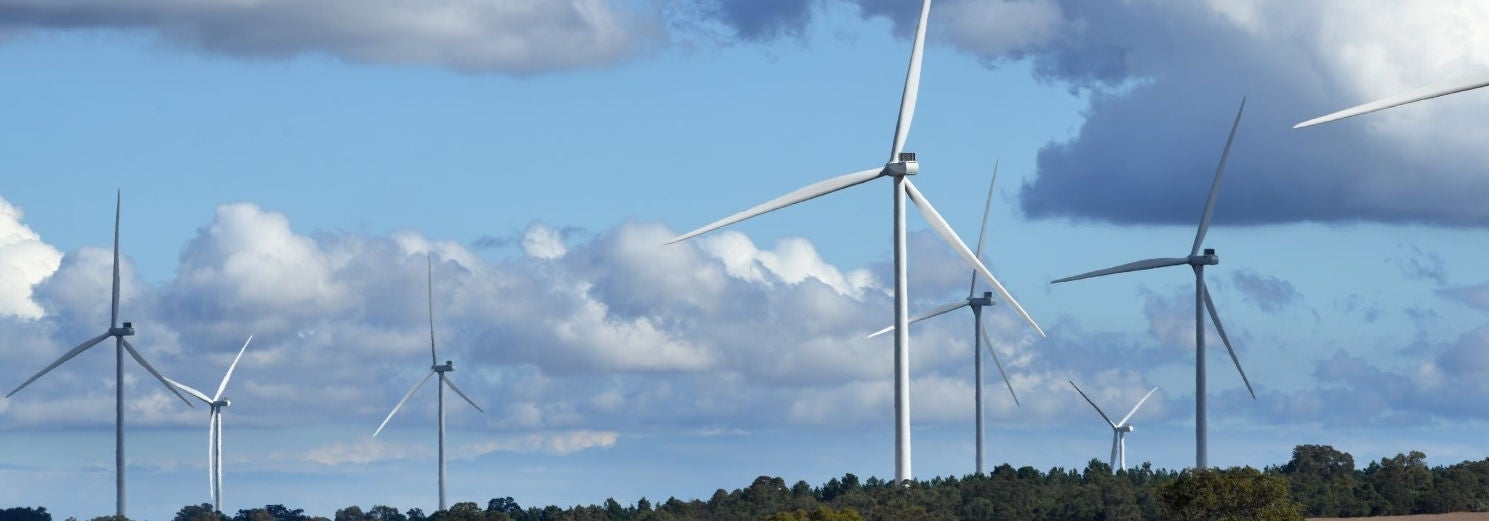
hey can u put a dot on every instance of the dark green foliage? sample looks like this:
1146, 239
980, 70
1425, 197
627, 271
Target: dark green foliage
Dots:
202, 512
25, 514
1235, 494
1318, 481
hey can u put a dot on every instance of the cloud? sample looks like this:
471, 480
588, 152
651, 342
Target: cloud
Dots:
1164, 79
503, 36
26, 260
1271, 294
1418, 264
1476, 295
555, 443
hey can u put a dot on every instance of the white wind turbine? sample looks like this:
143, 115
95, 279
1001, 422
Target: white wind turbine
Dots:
1202, 301
979, 334
1119, 429
120, 347
1428, 92
444, 381
214, 426
900, 167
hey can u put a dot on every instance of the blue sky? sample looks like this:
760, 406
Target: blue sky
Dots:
285, 169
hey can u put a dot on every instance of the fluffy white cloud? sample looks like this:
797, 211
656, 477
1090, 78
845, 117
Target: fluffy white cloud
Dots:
26, 260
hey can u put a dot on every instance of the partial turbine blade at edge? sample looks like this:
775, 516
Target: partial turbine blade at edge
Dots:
1215, 319
1093, 404
1131, 266
912, 85
229, 375
451, 383
810, 191
400, 402
1135, 407
64, 358
1204, 222
212, 455
151, 369
939, 224
982, 233
429, 261
939, 310
988, 341
189, 390
114, 304
1428, 92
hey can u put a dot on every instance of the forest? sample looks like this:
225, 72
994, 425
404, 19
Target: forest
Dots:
1318, 481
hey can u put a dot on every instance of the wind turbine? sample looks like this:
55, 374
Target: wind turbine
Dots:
979, 334
214, 426
1428, 92
900, 167
444, 381
1202, 301
1119, 429
120, 347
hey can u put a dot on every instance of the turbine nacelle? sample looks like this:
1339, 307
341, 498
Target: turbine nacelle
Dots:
1124, 428
447, 367
985, 300
127, 330
222, 403
1208, 259
906, 165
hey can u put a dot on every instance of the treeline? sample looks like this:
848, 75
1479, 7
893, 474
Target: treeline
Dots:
1319, 481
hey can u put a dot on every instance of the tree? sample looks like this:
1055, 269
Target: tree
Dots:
385, 513
202, 512
1401, 481
352, 513
1227, 495
820, 514
1323, 481
25, 514
505, 505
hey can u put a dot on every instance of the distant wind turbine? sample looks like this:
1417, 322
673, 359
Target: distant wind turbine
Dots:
214, 426
1428, 92
1119, 429
120, 347
1202, 300
444, 381
900, 167
979, 333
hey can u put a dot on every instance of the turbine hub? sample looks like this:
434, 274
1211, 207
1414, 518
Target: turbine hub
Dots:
906, 165
1207, 259
127, 330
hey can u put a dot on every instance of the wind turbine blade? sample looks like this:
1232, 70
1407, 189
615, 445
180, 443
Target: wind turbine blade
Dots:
1131, 266
433, 357
1135, 407
222, 386
1428, 92
451, 384
939, 224
804, 193
400, 402
151, 369
198, 394
212, 455
912, 85
1093, 404
114, 307
1204, 222
217, 467
1215, 318
65, 357
982, 233
987, 341
934, 312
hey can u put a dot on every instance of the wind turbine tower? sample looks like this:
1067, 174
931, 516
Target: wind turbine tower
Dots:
1197, 262
121, 346
436, 368
900, 167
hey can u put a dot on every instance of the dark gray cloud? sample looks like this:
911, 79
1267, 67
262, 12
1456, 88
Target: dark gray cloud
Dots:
1165, 80
505, 36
